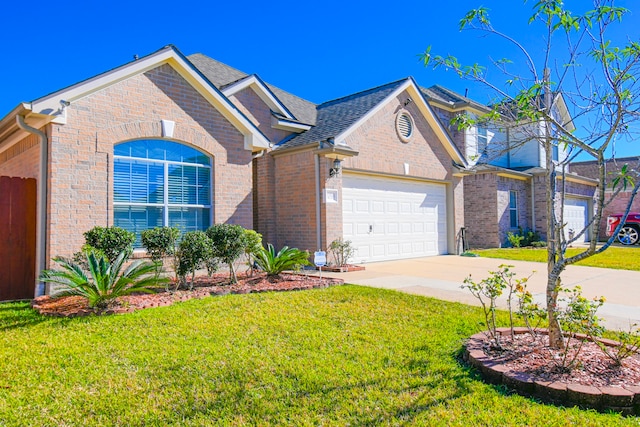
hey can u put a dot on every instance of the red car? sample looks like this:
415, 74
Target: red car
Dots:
630, 232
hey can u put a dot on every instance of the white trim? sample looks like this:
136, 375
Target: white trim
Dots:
284, 124
261, 90
50, 105
426, 111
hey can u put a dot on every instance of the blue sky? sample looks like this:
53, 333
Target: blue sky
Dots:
316, 50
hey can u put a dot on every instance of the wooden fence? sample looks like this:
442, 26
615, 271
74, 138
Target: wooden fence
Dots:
17, 238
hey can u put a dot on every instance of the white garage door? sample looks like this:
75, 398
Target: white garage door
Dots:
576, 216
388, 219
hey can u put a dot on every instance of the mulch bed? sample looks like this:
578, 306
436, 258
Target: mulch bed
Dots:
204, 286
530, 367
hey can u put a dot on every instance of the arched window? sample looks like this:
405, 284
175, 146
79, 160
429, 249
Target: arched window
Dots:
158, 183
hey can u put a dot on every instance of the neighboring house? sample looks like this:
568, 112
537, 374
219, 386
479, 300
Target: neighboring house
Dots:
189, 141
506, 189
619, 204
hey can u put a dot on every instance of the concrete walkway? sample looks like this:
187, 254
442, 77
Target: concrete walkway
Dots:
441, 277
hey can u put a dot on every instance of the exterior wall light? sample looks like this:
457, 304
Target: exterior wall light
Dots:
337, 167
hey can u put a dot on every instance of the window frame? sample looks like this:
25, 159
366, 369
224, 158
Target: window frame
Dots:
166, 205
513, 209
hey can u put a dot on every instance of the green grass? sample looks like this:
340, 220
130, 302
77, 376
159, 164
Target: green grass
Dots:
621, 258
341, 356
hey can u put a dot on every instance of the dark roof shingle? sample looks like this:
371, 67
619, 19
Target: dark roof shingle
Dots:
222, 75
338, 115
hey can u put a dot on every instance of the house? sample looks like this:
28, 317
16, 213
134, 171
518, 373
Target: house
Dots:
619, 203
505, 188
188, 141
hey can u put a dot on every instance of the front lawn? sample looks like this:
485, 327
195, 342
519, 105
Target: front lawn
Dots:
621, 258
346, 355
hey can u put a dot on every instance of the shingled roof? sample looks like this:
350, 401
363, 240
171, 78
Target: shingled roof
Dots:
442, 95
222, 75
338, 115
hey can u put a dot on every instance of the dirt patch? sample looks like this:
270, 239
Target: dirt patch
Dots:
204, 286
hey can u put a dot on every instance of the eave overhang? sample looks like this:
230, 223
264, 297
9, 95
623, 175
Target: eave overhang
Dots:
52, 107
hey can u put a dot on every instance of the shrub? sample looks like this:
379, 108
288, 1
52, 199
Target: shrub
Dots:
160, 243
228, 243
112, 241
523, 238
253, 241
578, 316
487, 292
515, 240
628, 345
287, 258
104, 282
341, 250
193, 252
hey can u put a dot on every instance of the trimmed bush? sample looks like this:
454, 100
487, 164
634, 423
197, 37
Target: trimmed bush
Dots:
160, 243
112, 241
228, 243
193, 252
253, 246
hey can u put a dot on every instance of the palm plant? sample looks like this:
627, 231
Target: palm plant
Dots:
287, 258
102, 282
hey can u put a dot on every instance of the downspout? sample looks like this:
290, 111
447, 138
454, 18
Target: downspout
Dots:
318, 210
41, 253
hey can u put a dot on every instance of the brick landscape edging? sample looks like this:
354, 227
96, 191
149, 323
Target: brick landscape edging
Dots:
625, 399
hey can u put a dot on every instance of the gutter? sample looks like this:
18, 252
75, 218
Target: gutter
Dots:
41, 253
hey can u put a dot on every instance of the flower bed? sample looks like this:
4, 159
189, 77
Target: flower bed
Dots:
204, 286
531, 372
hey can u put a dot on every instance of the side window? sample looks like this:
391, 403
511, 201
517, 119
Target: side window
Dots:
513, 209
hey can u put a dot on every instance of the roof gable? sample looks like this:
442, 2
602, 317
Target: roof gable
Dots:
222, 76
260, 88
337, 119
53, 105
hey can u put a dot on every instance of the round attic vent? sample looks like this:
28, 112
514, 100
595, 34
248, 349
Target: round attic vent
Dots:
404, 126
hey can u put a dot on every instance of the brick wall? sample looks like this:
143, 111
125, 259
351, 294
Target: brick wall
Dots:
258, 112
381, 150
23, 159
264, 208
480, 209
504, 187
295, 202
82, 152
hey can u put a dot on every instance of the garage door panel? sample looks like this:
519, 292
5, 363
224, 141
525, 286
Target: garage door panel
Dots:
576, 215
362, 206
408, 218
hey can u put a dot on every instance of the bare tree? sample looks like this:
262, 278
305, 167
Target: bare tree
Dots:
598, 83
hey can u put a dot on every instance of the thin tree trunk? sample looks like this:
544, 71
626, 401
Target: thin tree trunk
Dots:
553, 233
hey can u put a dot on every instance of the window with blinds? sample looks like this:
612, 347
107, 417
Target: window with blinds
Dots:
161, 183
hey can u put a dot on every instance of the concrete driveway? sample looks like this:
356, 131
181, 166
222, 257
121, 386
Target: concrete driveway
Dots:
441, 277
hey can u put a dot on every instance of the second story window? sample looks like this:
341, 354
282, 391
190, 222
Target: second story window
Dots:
482, 139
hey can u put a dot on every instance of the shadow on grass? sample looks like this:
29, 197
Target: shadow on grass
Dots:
14, 315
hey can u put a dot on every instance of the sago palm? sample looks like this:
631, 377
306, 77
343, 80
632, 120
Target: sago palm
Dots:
287, 258
103, 283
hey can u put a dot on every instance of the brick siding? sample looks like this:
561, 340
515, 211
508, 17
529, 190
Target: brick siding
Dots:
81, 152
